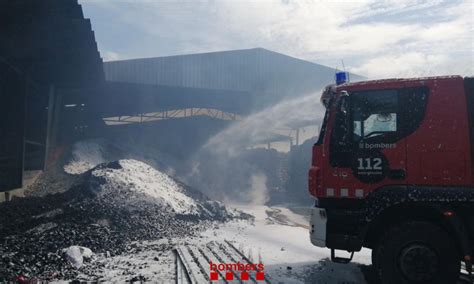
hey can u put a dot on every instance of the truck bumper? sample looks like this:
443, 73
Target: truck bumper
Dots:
318, 222
336, 228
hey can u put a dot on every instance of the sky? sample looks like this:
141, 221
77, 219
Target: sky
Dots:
374, 38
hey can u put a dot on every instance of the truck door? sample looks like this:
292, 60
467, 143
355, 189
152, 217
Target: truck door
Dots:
368, 144
438, 151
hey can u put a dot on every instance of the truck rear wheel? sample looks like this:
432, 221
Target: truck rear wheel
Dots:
375, 251
417, 252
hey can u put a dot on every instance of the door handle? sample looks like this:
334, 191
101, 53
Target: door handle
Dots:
397, 174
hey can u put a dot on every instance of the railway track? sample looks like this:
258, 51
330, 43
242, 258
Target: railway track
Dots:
193, 264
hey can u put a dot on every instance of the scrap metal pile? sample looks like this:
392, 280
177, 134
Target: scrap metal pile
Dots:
108, 208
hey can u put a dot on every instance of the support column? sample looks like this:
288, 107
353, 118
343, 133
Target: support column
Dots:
297, 136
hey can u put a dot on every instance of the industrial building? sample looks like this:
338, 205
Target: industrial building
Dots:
238, 81
55, 89
226, 85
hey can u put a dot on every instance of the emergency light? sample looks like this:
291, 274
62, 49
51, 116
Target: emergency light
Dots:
342, 77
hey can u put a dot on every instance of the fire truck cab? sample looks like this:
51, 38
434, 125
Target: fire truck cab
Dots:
393, 171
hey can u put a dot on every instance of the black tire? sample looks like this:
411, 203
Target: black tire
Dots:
375, 268
417, 252
375, 249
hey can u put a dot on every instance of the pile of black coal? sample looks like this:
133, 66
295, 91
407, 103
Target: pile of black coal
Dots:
109, 207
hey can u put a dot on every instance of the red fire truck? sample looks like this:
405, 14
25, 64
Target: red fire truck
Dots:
393, 171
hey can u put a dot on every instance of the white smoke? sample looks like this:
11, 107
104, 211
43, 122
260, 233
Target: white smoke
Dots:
259, 190
225, 169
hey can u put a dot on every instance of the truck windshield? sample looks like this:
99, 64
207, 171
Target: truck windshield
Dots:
374, 113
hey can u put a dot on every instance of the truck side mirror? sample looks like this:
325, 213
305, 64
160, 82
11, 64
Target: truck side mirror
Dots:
341, 139
343, 121
344, 102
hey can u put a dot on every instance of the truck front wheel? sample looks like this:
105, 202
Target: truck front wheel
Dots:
417, 252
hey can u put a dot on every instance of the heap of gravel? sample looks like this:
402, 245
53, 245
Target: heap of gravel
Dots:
35, 229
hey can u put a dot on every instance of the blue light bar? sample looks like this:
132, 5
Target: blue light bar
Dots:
342, 77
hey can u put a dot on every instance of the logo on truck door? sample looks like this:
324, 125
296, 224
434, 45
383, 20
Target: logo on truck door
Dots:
370, 167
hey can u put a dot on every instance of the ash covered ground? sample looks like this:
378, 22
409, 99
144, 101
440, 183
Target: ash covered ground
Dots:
89, 209
100, 214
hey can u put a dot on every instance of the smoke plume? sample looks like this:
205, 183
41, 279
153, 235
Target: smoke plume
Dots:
227, 168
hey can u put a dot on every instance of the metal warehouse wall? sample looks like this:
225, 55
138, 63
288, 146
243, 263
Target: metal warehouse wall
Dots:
13, 90
52, 44
131, 98
50, 41
251, 70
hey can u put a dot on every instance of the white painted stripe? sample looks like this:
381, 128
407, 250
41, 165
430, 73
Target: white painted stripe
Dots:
329, 191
